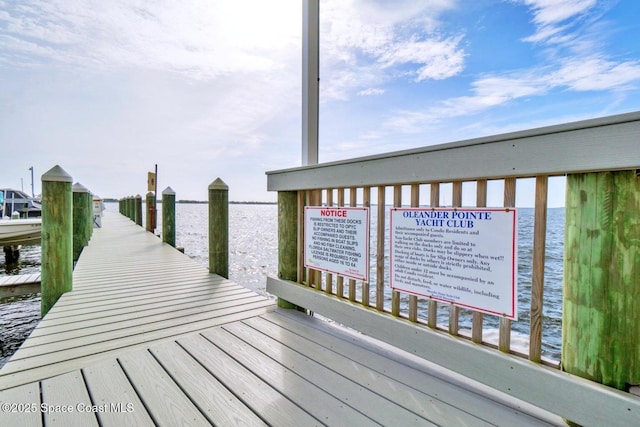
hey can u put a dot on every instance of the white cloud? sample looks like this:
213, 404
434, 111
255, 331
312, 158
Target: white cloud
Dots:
596, 73
576, 74
371, 91
368, 43
553, 18
200, 39
548, 12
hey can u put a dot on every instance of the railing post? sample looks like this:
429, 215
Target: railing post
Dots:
288, 240
169, 216
138, 210
57, 237
601, 320
219, 228
81, 218
151, 210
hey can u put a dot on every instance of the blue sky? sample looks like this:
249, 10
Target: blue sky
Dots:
212, 88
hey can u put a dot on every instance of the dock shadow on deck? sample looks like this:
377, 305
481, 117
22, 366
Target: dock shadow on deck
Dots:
149, 337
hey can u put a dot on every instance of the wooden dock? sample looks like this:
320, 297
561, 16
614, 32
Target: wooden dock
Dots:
149, 337
19, 284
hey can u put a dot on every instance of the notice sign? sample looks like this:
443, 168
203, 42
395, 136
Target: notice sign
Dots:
337, 241
464, 256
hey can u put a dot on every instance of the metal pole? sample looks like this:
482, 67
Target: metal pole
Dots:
310, 80
155, 206
33, 194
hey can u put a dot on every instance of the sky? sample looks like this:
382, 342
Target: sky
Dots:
212, 88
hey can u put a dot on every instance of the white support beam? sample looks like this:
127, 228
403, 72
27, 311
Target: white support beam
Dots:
310, 80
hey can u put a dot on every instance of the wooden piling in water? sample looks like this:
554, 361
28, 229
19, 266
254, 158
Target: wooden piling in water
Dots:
151, 212
82, 218
138, 210
601, 320
219, 228
57, 236
169, 216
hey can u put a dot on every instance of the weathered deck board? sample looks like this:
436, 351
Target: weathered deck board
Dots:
145, 346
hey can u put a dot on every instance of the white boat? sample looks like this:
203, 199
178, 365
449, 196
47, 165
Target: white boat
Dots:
14, 232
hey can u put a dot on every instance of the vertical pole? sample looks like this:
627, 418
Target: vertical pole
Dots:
57, 237
287, 240
600, 317
219, 228
310, 80
155, 198
139, 210
80, 219
169, 216
33, 194
151, 207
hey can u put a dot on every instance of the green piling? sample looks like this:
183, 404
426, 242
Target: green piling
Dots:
169, 216
601, 320
288, 241
81, 219
57, 237
219, 228
138, 209
90, 216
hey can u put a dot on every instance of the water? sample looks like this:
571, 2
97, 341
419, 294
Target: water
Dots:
253, 255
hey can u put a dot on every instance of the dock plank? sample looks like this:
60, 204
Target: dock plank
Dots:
260, 396
24, 406
216, 402
409, 381
111, 390
19, 284
326, 407
162, 397
67, 409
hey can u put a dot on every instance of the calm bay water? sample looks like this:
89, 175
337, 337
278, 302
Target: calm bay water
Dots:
253, 255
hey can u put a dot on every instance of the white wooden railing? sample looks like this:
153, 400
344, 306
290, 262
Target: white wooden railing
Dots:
418, 177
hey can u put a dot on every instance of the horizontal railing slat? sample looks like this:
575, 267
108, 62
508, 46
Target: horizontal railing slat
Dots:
609, 143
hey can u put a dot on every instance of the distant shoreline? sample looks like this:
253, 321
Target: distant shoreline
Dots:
199, 202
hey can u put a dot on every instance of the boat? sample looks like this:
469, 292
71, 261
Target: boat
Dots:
16, 201
16, 232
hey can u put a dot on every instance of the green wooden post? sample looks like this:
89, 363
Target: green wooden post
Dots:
131, 210
601, 319
151, 210
169, 216
80, 219
288, 241
89, 216
57, 237
138, 214
219, 228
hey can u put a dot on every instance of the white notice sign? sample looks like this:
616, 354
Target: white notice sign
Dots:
466, 256
337, 241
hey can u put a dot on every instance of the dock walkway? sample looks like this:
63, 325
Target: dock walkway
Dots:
149, 337
19, 284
